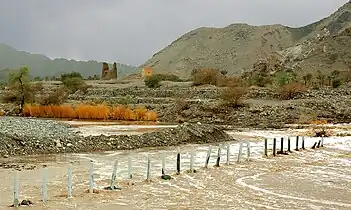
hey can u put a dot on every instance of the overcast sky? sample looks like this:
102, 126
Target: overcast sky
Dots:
131, 31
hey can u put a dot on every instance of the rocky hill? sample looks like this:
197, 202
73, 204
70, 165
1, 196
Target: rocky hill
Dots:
41, 65
237, 47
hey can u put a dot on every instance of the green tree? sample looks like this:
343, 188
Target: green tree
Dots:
19, 84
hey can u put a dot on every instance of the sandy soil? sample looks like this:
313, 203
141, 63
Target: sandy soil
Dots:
310, 179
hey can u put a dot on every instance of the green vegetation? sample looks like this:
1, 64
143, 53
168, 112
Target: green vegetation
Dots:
152, 81
73, 82
168, 77
20, 91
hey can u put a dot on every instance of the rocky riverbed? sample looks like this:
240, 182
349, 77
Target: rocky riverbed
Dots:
27, 136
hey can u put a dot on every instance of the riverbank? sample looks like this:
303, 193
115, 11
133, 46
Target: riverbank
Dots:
28, 136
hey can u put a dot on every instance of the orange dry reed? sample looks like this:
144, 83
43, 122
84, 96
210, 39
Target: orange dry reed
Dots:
99, 112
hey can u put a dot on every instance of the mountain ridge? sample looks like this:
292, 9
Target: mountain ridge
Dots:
41, 65
236, 47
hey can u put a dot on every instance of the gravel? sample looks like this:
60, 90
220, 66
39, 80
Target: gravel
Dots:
28, 136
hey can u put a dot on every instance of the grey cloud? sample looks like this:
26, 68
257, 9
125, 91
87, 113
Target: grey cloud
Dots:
130, 31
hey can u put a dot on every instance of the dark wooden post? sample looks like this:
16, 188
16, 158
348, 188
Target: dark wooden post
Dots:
297, 143
303, 142
265, 148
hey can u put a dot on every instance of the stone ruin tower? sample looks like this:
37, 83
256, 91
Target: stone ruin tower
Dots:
107, 73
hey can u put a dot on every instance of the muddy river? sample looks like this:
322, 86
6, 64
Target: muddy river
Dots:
309, 179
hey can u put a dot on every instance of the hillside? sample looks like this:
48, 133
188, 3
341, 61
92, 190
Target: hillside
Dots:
41, 65
237, 47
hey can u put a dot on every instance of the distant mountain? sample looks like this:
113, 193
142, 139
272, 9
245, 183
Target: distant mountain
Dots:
40, 65
237, 47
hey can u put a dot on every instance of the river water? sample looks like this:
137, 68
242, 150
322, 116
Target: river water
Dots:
310, 179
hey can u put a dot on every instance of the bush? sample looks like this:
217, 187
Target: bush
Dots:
336, 83
168, 77
284, 77
84, 111
74, 84
289, 91
152, 81
205, 77
232, 95
56, 97
223, 81
70, 75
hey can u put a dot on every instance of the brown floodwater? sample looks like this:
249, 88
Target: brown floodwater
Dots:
310, 179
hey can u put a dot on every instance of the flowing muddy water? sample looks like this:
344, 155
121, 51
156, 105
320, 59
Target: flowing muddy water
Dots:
309, 179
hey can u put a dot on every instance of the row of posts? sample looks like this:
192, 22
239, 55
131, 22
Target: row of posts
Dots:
114, 172
281, 151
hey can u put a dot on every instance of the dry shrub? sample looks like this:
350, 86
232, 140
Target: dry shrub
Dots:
2, 113
64, 111
84, 111
223, 81
56, 97
206, 76
140, 113
289, 91
151, 116
232, 95
99, 112
122, 113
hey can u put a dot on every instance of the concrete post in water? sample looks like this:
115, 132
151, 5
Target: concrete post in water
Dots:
91, 175
248, 150
240, 151
148, 172
130, 176
303, 142
178, 160
266, 147
289, 144
314, 145
297, 143
192, 161
208, 156
44, 187
274, 146
114, 174
163, 164
218, 156
228, 154
70, 179
16, 189
319, 144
